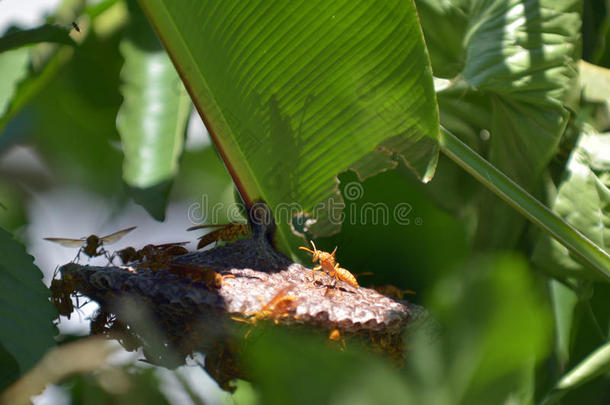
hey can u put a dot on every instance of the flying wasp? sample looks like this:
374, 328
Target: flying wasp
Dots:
92, 245
227, 233
329, 265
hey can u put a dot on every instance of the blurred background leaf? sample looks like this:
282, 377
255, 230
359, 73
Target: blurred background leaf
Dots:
495, 329
46, 33
117, 386
13, 67
26, 330
153, 117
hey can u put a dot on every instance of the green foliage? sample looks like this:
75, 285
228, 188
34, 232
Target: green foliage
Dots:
495, 328
26, 331
46, 33
596, 364
278, 87
514, 73
583, 200
119, 386
13, 67
297, 96
152, 119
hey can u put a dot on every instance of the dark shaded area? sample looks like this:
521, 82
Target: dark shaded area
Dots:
9, 370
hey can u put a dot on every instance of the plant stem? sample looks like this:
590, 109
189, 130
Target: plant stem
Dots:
513, 194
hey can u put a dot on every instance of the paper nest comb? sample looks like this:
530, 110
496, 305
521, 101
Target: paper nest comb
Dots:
192, 316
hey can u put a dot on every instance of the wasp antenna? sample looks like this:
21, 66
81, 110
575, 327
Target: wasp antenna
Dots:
314, 246
333, 252
307, 249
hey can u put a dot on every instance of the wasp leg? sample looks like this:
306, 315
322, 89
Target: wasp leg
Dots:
313, 273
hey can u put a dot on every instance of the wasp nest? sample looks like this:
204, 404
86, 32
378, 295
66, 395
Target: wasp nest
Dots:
194, 300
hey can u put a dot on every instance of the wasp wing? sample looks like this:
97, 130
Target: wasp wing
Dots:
67, 242
166, 245
203, 226
209, 238
114, 237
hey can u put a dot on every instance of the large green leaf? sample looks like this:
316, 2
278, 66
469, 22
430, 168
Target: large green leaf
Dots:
519, 60
583, 200
26, 314
293, 93
13, 67
153, 117
45, 59
595, 82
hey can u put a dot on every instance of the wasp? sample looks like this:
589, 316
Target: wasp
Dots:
157, 257
128, 255
75, 26
392, 291
335, 336
61, 292
227, 233
198, 273
92, 245
329, 265
280, 306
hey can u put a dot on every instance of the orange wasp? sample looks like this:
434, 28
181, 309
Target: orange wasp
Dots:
228, 233
330, 266
392, 291
277, 308
199, 273
335, 336
92, 245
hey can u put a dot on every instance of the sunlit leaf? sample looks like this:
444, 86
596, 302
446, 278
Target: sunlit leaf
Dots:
595, 82
13, 67
583, 200
152, 119
518, 64
295, 93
